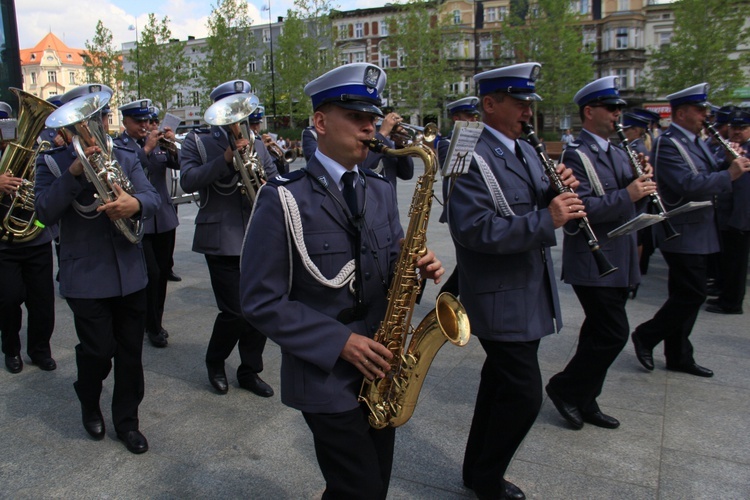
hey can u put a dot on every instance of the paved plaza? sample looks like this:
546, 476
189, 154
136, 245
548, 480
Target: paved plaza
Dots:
682, 437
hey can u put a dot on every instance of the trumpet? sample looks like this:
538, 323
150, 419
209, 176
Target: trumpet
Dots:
172, 147
230, 112
276, 151
405, 135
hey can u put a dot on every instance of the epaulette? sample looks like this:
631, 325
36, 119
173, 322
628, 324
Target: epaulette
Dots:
573, 145
370, 173
117, 146
280, 180
202, 130
54, 150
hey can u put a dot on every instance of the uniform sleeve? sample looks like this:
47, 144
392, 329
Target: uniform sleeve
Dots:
53, 195
195, 174
673, 171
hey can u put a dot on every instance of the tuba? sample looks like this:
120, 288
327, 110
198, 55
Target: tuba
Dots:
392, 400
230, 112
18, 222
101, 169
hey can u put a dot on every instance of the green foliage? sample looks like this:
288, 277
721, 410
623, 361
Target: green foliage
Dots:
230, 48
161, 65
417, 41
705, 33
103, 63
551, 36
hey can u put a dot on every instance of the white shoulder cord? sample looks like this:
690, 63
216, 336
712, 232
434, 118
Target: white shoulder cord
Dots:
501, 204
685, 156
82, 210
596, 183
295, 232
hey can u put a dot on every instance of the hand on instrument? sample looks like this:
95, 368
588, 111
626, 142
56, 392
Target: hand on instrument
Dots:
367, 356
430, 267
122, 207
567, 177
169, 134
9, 184
152, 139
390, 121
641, 187
76, 168
565, 207
738, 167
645, 165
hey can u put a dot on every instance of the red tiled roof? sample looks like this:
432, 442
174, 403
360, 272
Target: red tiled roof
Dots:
67, 55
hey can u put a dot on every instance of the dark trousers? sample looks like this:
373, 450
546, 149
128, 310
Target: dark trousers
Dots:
508, 401
230, 327
674, 321
355, 459
157, 248
733, 261
604, 333
110, 329
26, 275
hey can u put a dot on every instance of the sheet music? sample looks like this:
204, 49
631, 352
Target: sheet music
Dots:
636, 224
463, 141
171, 121
8, 129
688, 207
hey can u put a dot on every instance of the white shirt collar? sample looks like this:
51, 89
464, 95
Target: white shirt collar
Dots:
335, 170
603, 143
507, 141
685, 131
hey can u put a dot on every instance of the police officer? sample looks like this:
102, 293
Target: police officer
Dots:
394, 167
206, 158
685, 171
254, 120
5, 114
464, 109
612, 196
26, 270
734, 221
324, 324
503, 214
102, 277
309, 142
159, 230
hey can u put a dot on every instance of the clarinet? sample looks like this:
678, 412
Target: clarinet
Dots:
602, 264
669, 230
717, 136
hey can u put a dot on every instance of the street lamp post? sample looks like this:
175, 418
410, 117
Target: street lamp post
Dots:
137, 59
273, 82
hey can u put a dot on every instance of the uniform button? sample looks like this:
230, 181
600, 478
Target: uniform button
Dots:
325, 246
367, 276
606, 184
364, 248
516, 197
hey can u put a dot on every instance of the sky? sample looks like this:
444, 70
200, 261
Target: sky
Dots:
75, 22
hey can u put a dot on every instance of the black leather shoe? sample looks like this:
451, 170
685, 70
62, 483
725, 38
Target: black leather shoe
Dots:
255, 384
218, 377
134, 441
692, 369
570, 412
645, 355
157, 339
712, 291
715, 308
93, 422
14, 364
173, 277
599, 419
165, 333
46, 364
713, 302
513, 492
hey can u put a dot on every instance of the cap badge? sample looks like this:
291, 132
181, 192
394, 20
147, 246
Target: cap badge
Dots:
238, 86
535, 73
94, 88
372, 75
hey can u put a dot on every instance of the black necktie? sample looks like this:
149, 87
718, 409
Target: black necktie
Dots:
350, 192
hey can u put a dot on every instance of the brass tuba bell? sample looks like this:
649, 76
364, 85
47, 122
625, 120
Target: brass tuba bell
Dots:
18, 221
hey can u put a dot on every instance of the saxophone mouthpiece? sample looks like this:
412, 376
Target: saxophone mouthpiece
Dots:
374, 144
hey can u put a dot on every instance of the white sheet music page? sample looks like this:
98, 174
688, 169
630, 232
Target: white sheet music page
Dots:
171, 121
463, 141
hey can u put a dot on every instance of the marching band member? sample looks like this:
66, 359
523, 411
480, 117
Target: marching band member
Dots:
503, 214
610, 193
160, 230
103, 278
685, 171
254, 120
26, 270
394, 167
207, 164
325, 330
734, 223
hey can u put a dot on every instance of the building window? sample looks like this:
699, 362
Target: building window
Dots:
583, 8
195, 97
664, 39
179, 99
33, 57
69, 57
251, 67
622, 73
383, 28
266, 62
111, 118
490, 15
52, 76
323, 57
589, 40
385, 59
621, 38
343, 30
401, 58
72, 77
503, 12
623, 5
358, 33
485, 48
456, 17
266, 35
359, 57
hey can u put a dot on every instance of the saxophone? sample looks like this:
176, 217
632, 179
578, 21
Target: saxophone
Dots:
392, 400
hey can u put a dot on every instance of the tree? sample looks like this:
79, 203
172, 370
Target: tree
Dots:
301, 56
103, 63
230, 49
550, 35
706, 33
162, 67
416, 42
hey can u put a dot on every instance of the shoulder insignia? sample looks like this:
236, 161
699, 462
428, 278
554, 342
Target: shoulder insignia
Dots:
573, 145
202, 130
280, 180
371, 173
117, 146
498, 152
593, 147
54, 150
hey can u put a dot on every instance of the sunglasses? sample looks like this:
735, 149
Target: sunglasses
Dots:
609, 107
